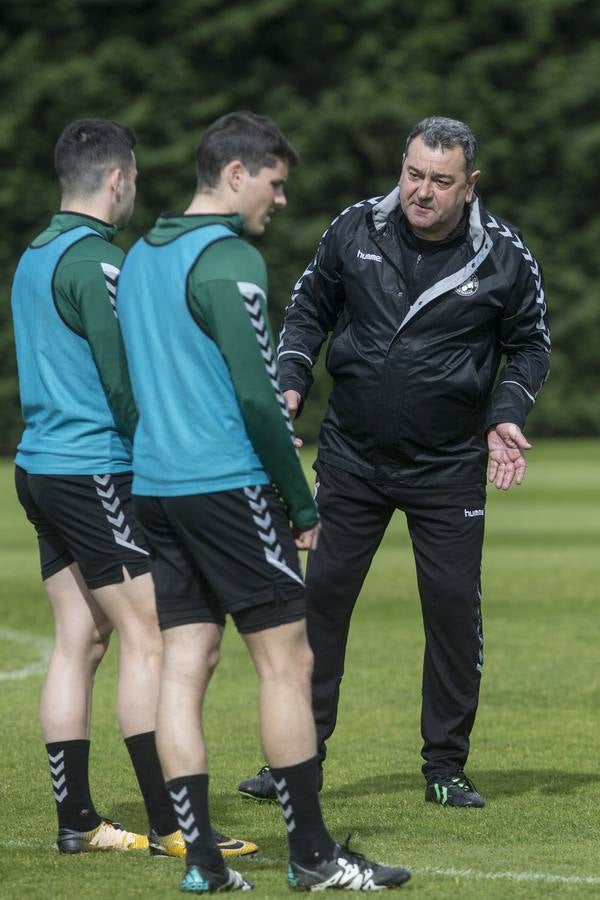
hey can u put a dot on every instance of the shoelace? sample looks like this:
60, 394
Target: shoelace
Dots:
460, 780
111, 822
352, 855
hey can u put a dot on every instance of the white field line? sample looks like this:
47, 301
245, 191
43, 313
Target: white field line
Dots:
544, 877
509, 876
28, 845
40, 647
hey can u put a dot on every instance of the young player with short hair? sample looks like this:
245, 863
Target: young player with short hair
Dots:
217, 481
73, 478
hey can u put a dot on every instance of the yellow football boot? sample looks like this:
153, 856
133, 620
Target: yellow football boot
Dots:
174, 845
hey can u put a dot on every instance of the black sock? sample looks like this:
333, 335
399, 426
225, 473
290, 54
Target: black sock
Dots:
69, 772
298, 795
146, 764
189, 796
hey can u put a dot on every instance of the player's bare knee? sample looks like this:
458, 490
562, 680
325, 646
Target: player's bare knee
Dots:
99, 645
213, 659
305, 660
294, 667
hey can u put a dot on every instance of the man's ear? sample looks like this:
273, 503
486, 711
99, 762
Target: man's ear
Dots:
471, 182
115, 181
233, 174
401, 167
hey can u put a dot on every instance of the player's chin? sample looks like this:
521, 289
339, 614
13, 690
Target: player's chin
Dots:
255, 229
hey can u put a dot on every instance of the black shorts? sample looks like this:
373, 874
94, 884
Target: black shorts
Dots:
87, 519
223, 552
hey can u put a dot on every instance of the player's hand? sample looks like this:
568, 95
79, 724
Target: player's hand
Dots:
307, 540
293, 400
507, 463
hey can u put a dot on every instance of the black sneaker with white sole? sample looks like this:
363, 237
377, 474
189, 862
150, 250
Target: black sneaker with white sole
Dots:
347, 871
453, 790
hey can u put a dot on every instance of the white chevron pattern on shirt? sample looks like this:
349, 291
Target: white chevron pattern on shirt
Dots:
111, 278
252, 294
534, 268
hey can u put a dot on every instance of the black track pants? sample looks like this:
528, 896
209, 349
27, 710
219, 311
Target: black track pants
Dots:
446, 529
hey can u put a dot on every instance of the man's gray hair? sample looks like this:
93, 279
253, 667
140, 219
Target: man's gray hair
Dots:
438, 131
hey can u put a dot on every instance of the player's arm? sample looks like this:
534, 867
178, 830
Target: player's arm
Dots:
525, 341
233, 314
314, 308
85, 291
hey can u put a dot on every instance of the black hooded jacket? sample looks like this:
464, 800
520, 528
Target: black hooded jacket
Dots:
418, 332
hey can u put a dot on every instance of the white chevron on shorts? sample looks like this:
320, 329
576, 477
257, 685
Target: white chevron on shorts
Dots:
57, 769
266, 531
108, 493
112, 507
111, 503
188, 825
273, 560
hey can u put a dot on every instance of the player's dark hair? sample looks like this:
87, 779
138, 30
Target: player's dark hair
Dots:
438, 131
87, 150
255, 140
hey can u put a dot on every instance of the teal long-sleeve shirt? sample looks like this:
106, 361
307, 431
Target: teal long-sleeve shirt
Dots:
226, 289
84, 291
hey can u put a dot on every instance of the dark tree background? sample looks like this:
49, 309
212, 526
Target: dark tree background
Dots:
345, 81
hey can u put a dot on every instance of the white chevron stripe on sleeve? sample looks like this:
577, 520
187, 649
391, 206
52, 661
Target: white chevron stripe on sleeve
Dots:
111, 277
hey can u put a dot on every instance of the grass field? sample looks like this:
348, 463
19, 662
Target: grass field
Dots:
535, 746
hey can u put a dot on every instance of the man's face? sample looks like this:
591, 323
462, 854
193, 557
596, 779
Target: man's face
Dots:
434, 188
260, 195
126, 201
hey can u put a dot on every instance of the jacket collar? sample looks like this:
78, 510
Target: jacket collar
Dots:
385, 208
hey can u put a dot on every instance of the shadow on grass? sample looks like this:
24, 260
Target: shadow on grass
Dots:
491, 782
230, 813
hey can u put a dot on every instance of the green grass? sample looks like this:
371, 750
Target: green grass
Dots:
535, 745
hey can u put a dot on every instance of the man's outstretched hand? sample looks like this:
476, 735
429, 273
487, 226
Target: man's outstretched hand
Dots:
507, 463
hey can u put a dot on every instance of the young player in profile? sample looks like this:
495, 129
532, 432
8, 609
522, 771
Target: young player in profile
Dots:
217, 482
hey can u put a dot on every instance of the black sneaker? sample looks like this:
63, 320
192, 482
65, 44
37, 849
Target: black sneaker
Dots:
347, 871
453, 790
199, 880
261, 786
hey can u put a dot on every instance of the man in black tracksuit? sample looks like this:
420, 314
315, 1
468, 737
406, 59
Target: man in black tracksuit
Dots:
423, 292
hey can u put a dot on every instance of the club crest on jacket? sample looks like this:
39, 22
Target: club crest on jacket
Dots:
468, 287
